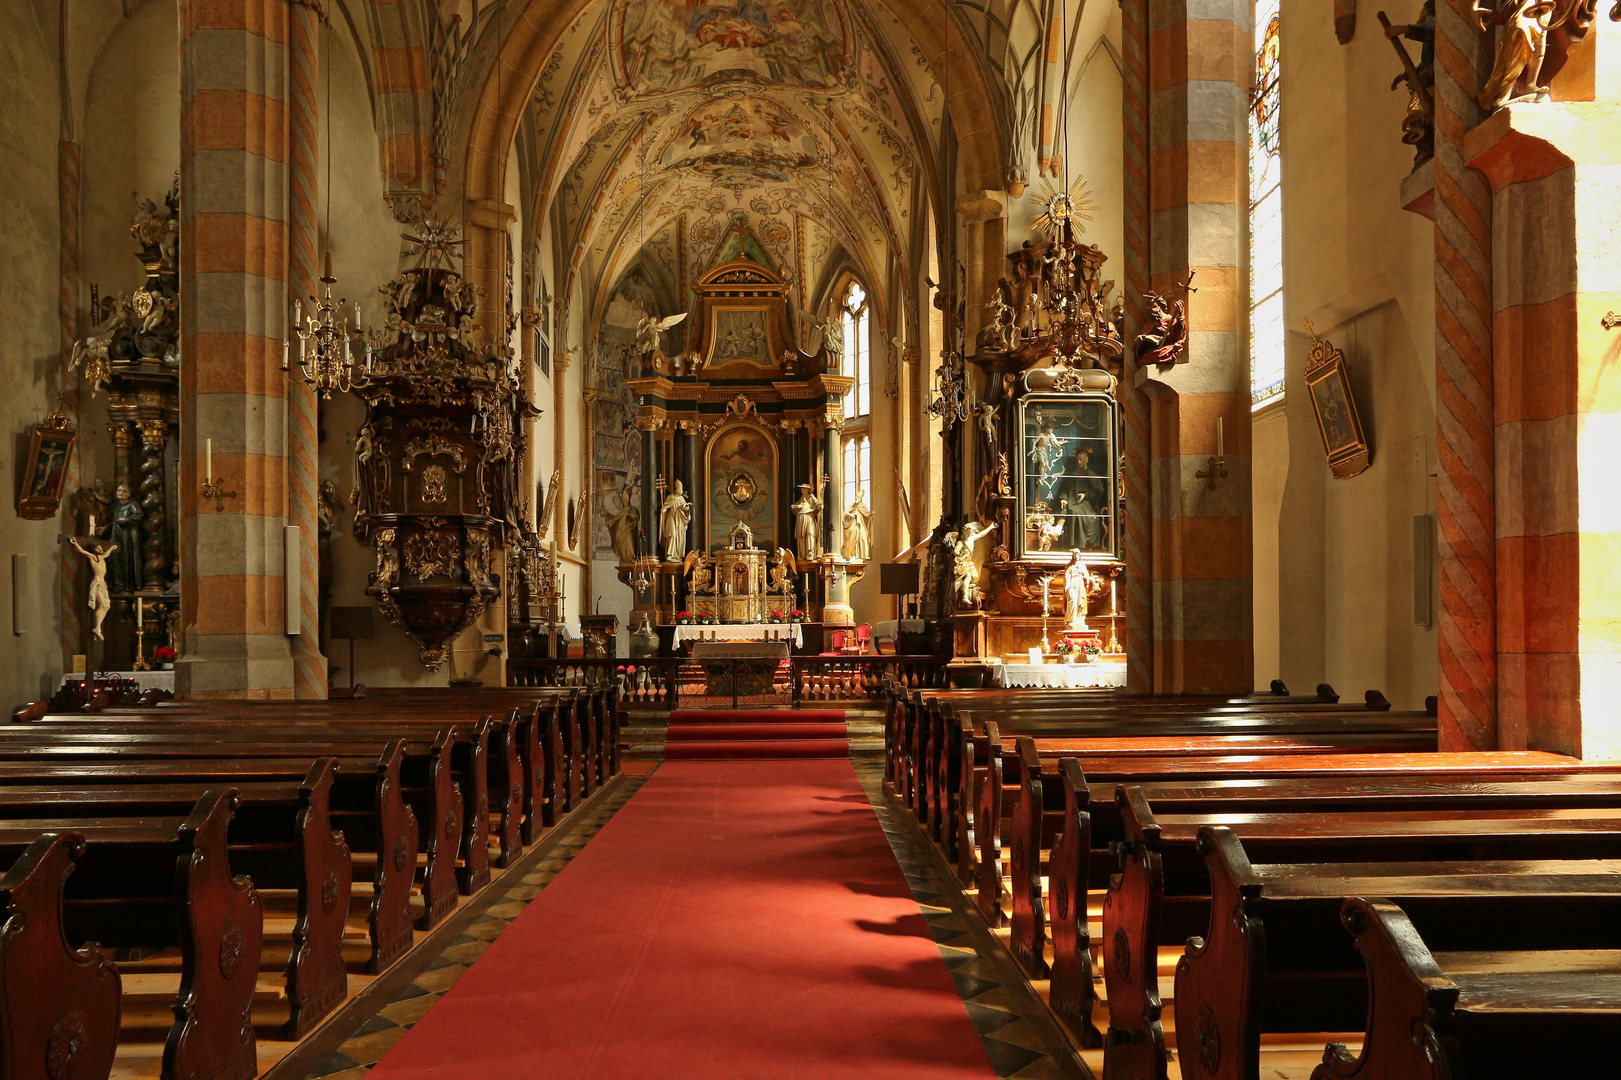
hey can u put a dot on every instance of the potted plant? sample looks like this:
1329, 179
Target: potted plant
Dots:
1090, 651
1065, 650
796, 616
683, 617
163, 657
775, 615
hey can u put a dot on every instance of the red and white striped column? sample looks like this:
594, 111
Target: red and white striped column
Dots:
233, 227
1137, 523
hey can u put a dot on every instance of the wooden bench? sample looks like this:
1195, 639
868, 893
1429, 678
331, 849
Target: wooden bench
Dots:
1186, 872
366, 803
280, 836
1485, 1014
163, 883
59, 1002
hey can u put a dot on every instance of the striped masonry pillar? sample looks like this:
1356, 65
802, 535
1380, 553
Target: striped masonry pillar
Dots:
1137, 633
1198, 80
303, 241
233, 228
1466, 486
68, 177
1557, 415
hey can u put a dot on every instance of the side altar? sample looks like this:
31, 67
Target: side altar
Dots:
740, 431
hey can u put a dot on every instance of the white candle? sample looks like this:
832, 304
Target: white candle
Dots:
1114, 605
1221, 440
208, 459
139, 607
92, 528
286, 352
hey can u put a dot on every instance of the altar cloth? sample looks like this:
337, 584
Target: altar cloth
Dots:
1109, 673
740, 632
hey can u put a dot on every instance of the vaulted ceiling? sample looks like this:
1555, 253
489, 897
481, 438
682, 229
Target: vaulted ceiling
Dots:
659, 124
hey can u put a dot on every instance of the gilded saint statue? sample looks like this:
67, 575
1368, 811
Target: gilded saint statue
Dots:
808, 523
858, 531
1532, 46
673, 521
98, 600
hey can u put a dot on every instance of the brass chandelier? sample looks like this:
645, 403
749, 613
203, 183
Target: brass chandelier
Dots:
326, 342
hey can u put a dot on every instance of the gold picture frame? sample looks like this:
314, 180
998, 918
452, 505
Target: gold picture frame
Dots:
1334, 405
39, 494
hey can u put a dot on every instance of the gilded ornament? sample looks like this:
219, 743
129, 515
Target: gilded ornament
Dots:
430, 554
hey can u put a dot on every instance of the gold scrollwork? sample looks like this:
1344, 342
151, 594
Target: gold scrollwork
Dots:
433, 446
433, 484
430, 554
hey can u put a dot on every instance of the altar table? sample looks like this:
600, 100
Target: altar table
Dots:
1110, 673
740, 632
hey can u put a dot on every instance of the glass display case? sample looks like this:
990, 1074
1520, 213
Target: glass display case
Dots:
1066, 476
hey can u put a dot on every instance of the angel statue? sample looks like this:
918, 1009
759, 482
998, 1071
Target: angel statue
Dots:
783, 571
700, 577
964, 572
649, 334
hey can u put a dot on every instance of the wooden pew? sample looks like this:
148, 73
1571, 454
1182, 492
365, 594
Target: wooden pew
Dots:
426, 778
1487, 1015
59, 1003
281, 837
365, 802
1194, 873
166, 883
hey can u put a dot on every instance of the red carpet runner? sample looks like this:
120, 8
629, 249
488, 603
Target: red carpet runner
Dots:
741, 920
730, 734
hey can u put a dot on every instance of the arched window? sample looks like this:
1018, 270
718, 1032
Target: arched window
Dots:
857, 352
857, 469
1266, 215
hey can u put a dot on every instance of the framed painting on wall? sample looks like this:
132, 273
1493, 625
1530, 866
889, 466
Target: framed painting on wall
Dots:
1335, 407
45, 467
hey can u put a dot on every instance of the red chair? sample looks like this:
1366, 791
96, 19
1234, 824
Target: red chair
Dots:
835, 643
863, 638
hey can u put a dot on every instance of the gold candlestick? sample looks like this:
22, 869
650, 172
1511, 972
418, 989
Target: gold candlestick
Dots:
140, 637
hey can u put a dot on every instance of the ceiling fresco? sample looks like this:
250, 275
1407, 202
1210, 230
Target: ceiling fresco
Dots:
719, 112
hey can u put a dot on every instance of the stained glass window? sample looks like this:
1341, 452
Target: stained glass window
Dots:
1266, 215
857, 469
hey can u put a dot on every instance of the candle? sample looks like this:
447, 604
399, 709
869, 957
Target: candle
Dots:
139, 608
1114, 605
1221, 440
208, 459
92, 528
286, 352
357, 316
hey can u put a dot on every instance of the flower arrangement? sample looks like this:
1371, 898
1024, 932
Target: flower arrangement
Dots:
796, 615
775, 616
1091, 650
708, 618
163, 654
1064, 647
683, 616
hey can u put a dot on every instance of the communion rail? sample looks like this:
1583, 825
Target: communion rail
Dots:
666, 682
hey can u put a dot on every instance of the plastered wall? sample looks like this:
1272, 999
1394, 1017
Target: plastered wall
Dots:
1339, 603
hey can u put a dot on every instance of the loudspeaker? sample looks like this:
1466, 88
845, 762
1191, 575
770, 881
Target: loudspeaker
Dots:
1424, 567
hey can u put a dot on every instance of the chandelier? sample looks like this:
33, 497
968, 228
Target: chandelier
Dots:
949, 402
326, 342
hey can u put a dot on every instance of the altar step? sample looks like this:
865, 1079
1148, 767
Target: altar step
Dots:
712, 734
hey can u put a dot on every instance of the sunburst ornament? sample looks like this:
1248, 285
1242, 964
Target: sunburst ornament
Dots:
1060, 207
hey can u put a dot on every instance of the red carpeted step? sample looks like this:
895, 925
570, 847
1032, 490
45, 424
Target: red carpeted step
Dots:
735, 732
734, 751
757, 716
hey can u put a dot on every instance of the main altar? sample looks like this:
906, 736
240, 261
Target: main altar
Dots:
740, 439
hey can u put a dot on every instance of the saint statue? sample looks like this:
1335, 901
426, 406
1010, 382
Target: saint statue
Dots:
858, 531
807, 523
1076, 583
99, 601
964, 571
673, 520
125, 571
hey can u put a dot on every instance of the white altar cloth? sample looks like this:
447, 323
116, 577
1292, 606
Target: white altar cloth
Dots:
890, 629
146, 680
740, 632
1108, 673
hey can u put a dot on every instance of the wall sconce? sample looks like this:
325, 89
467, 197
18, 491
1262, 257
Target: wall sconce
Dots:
1217, 467
212, 488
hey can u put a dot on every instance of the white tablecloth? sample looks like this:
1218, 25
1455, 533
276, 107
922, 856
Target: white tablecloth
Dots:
1068, 676
892, 628
146, 680
740, 632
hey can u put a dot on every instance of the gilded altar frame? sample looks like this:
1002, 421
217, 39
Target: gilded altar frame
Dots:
1051, 472
1334, 405
716, 486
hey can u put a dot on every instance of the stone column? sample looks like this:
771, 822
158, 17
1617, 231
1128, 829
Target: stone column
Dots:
303, 238
833, 498
1136, 525
233, 154
1466, 487
1197, 146
1556, 418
